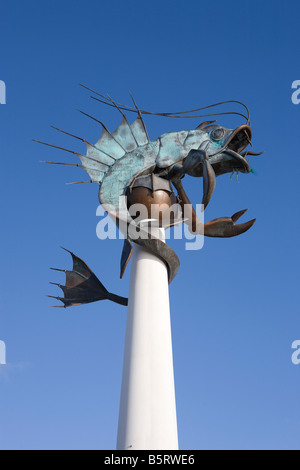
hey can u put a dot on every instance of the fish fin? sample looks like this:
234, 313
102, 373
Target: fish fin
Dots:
82, 286
126, 255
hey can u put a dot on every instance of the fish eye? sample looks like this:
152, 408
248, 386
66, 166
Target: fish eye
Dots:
218, 133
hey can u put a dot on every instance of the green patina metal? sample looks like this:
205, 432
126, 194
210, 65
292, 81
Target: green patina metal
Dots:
119, 158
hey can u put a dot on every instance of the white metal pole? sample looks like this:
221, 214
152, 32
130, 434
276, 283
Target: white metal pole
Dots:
147, 419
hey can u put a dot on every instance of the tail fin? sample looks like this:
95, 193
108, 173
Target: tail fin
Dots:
82, 286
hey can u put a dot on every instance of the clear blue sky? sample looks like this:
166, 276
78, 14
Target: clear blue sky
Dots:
235, 304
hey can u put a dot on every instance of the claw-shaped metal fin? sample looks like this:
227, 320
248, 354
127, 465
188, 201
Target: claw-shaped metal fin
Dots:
209, 182
225, 227
194, 160
82, 286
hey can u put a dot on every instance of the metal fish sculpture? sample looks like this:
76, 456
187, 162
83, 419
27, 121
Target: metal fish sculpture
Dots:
127, 158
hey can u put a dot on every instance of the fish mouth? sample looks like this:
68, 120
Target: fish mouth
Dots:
232, 157
240, 139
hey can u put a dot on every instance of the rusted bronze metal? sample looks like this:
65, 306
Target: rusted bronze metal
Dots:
223, 227
156, 196
82, 286
127, 162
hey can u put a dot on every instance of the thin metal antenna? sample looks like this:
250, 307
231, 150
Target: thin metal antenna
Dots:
80, 182
178, 114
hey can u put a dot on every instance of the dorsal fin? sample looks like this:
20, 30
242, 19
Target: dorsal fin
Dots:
109, 145
91, 163
96, 170
138, 130
122, 131
124, 135
108, 134
95, 162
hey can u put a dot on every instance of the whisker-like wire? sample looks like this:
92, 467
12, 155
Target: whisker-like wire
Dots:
178, 114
